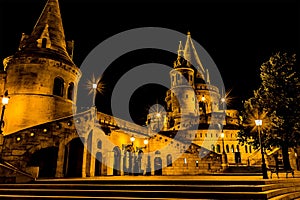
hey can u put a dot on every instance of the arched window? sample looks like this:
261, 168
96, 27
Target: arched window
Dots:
227, 148
157, 152
213, 148
218, 148
232, 148
44, 42
58, 88
169, 160
71, 91
250, 149
99, 144
237, 148
246, 149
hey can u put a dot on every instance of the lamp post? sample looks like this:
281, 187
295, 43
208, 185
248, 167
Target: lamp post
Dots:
148, 164
5, 100
258, 123
224, 155
132, 139
94, 86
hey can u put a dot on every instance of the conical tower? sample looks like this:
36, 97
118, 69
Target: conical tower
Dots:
191, 55
41, 76
181, 99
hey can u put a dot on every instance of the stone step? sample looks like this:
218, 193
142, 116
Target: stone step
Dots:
150, 189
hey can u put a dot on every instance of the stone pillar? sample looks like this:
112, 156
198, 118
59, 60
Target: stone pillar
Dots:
85, 151
152, 165
110, 163
122, 164
92, 167
60, 160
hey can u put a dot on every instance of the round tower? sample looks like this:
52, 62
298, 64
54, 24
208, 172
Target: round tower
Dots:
181, 98
41, 76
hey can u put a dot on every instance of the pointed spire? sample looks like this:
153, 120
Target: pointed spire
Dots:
48, 31
180, 50
207, 77
191, 55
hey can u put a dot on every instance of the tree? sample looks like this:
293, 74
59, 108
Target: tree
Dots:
276, 102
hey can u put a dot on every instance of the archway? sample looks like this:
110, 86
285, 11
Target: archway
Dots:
46, 160
128, 160
73, 158
157, 166
98, 164
117, 161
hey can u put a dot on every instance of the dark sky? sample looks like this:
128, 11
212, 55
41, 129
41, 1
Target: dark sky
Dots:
238, 36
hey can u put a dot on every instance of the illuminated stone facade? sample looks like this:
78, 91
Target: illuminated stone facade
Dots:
41, 131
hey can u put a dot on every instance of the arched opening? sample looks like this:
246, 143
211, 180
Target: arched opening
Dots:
128, 160
99, 144
46, 160
58, 87
98, 164
213, 148
71, 91
246, 149
44, 42
227, 148
138, 163
218, 148
73, 158
117, 161
169, 160
157, 166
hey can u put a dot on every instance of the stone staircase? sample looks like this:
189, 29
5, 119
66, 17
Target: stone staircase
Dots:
153, 188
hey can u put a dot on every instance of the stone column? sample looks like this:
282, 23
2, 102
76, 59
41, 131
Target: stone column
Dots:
85, 151
60, 160
122, 164
110, 163
152, 165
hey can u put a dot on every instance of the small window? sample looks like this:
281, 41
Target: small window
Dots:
237, 148
58, 88
44, 42
169, 160
71, 91
197, 163
185, 161
99, 144
227, 148
250, 149
246, 149
213, 147
218, 148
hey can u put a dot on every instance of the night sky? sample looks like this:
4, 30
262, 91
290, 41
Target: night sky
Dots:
238, 36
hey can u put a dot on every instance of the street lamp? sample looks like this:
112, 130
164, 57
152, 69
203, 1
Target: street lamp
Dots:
5, 100
224, 155
132, 139
258, 123
148, 166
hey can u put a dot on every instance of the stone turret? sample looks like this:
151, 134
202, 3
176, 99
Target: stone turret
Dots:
41, 77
